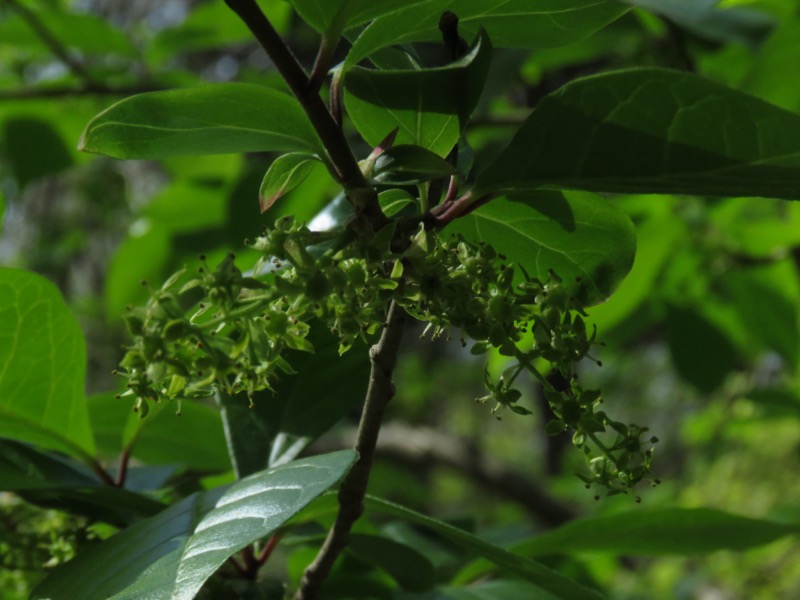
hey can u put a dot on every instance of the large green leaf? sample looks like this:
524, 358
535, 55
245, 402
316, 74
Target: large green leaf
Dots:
322, 14
429, 106
48, 479
511, 23
653, 130
42, 366
169, 556
548, 580
681, 531
576, 234
211, 119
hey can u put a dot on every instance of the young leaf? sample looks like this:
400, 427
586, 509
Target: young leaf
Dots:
430, 106
403, 165
169, 556
42, 367
512, 23
284, 174
211, 119
394, 200
653, 130
585, 239
544, 578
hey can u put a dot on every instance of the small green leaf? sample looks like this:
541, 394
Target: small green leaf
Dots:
395, 200
584, 238
42, 367
217, 118
652, 131
544, 578
169, 556
512, 23
403, 165
34, 149
284, 174
430, 106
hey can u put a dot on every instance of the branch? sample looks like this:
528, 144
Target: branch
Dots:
53, 43
383, 356
360, 193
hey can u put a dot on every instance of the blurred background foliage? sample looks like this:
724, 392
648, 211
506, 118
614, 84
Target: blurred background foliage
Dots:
701, 341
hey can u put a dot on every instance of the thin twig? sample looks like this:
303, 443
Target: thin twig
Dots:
122, 472
266, 551
361, 194
383, 356
102, 473
51, 41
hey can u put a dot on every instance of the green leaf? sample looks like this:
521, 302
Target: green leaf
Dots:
499, 589
430, 106
395, 200
304, 406
512, 23
47, 479
576, 234
321, 14
653, 131
701, 353
284, 174
211, 119
409, 568
42, 367
169, 556
33, 149
403, 165
680, 531
548, 580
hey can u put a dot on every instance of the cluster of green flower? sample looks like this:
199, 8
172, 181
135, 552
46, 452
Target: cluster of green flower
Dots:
223, 330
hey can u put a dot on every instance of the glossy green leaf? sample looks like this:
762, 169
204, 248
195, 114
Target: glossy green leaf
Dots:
408, 567
169, 556
576, 234
217, 118
284, 174
51, 480
512, 23
42, 366
679, 531
403, 165
322, 14
652, 131
550, 581
429, 106
395, 200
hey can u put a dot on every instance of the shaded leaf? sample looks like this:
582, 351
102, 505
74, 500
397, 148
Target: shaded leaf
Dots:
430, 106
321, 14
33, 149
548, 580
653, 131
408, 567
402, 165
284, 174
211, 119
395, 200
680, 531
576, 234
512, 23
169, 556
42, 366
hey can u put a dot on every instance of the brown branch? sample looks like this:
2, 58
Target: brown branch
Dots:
122, 473
383, 356
362, 195
51, 41
102, 473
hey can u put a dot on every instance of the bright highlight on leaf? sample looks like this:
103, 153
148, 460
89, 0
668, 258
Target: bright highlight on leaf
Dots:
211, 119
